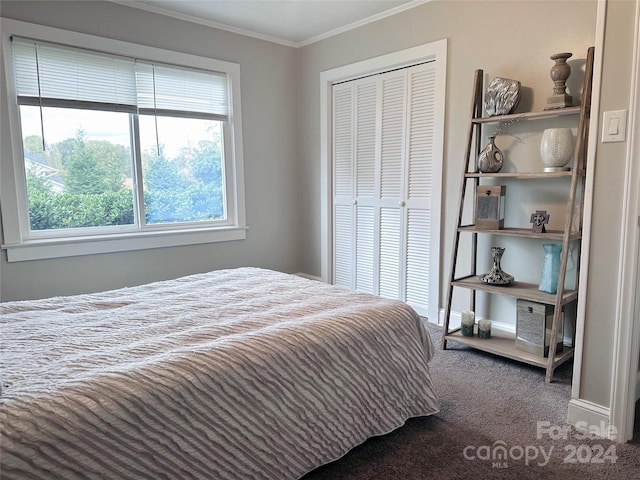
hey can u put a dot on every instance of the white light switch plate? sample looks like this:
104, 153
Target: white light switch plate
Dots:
614, 126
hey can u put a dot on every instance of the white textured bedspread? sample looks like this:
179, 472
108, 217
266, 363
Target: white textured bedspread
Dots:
243, 373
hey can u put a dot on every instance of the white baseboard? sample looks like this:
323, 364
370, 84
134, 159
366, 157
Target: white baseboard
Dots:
456, 319
591, 418
306, 275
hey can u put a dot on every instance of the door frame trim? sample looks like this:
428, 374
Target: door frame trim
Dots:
627, 340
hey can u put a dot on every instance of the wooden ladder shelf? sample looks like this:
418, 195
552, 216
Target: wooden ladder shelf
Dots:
505, 347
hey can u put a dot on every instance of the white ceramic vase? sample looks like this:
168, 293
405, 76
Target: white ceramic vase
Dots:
556, 148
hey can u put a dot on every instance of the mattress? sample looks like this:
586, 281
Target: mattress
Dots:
232, 374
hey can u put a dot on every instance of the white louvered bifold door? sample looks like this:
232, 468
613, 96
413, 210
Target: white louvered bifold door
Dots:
392, 153
343, 189
365, 161
382, 178
354, 183
421, 81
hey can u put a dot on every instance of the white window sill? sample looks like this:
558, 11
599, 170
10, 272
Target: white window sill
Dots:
91, 245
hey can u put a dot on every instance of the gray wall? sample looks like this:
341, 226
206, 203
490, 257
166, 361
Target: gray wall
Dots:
509, 47
269, 86
282, 142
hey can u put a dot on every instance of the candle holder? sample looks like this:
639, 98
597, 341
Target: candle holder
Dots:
468, 322
484, 328
559, 74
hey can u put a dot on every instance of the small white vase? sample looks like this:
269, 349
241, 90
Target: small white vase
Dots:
556, 148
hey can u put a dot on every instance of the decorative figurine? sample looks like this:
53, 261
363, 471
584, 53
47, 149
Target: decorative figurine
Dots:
539, 218
503, 96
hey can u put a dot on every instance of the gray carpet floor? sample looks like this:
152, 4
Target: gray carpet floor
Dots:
489, 407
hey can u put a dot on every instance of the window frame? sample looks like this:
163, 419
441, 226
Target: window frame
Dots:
21, 245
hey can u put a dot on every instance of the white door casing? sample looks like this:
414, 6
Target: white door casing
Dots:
627, 341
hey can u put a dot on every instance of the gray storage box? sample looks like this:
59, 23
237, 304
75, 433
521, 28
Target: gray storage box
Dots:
490, 203
533, 328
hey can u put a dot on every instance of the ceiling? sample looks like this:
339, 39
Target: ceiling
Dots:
290, 22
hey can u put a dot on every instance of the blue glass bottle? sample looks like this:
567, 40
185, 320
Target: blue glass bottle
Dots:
550, 268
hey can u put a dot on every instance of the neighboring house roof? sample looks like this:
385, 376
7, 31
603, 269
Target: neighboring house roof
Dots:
35, 162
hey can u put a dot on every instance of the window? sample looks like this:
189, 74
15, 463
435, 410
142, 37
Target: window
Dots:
114, 151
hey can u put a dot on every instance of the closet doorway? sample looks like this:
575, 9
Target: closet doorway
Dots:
383, 122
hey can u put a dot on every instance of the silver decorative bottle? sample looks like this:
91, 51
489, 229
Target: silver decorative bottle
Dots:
491, 158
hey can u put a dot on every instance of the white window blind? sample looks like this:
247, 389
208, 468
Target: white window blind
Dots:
172, 90
56, 75
49, 75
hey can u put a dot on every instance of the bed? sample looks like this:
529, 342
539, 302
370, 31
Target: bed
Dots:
240, 374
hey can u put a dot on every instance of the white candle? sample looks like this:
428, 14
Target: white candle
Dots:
484, 328
468, 321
